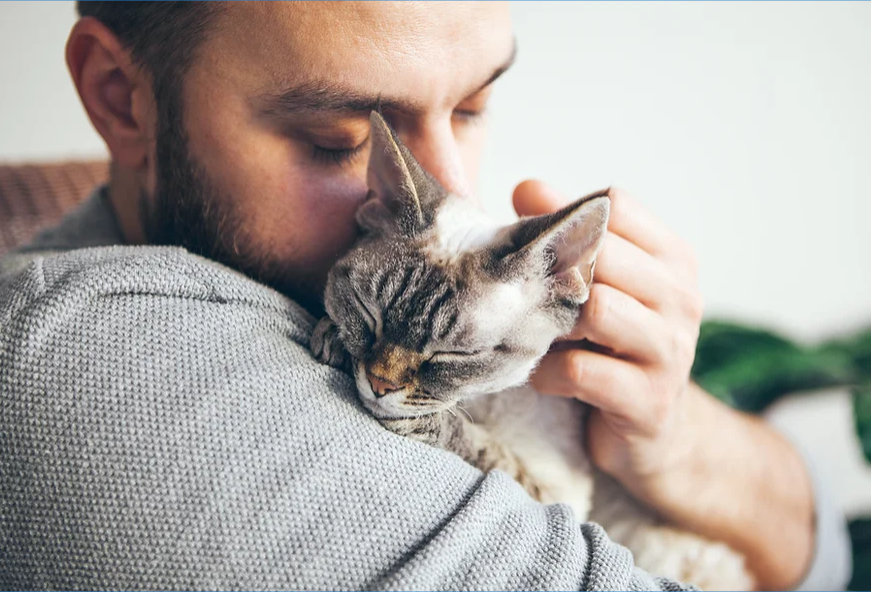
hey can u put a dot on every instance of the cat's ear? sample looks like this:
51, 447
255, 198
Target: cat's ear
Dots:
393, 201
566, 242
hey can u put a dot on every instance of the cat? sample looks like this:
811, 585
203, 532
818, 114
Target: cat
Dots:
440, 315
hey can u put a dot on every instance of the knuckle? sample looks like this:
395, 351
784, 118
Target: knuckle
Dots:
598, 306
661, 404
660, 410
605, 253
689, 300
695, 305
616, 193
685, 348
692, 259
617, 196
699, 305
574, 370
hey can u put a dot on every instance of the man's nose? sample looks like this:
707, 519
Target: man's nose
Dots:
436, 148
381, 386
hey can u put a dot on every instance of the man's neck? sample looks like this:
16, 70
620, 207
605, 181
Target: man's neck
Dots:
124, 196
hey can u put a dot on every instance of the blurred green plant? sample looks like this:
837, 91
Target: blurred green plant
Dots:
749, 368
860, 534
862, 412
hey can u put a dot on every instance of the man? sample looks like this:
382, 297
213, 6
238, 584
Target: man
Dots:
164, 425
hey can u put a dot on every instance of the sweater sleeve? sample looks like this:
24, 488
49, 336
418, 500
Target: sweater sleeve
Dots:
832, 563
164, 426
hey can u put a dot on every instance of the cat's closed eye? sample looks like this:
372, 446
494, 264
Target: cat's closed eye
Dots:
453, 356
369, 317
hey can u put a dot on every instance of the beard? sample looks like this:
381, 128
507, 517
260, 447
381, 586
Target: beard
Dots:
189, 210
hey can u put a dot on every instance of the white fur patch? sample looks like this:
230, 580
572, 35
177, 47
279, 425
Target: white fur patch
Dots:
461, 227
501, 307
546, 434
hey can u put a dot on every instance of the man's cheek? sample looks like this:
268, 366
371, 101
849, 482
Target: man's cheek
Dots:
320, 211
335, 195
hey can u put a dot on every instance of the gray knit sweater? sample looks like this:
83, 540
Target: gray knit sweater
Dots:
164, 426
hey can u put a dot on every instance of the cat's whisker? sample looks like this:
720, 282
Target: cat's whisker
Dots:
469, 415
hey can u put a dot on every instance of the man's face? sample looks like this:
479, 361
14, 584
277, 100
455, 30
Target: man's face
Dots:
276, 117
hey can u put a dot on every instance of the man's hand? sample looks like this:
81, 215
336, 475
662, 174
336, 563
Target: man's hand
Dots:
644, 310
696, 462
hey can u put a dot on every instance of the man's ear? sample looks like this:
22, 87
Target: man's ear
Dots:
115, 93
393, 201
567, 241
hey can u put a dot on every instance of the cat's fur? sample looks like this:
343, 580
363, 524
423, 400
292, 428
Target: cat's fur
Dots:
448, 314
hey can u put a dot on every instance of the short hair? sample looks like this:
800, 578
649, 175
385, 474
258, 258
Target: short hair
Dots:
162, 36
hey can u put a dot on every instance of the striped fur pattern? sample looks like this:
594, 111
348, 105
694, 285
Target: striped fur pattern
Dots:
440, 316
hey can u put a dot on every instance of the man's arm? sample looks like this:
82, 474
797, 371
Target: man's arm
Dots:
164, 426
734, 478
700, 464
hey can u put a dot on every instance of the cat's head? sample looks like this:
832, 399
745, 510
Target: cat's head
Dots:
437, 304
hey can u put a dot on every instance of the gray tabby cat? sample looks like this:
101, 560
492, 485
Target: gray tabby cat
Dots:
440, 316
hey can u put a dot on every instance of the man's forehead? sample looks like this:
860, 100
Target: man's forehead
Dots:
383, 21
381, 47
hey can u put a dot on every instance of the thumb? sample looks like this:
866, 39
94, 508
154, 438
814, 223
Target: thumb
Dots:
534, 198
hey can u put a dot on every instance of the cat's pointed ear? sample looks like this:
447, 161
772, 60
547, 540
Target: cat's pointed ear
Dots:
393, 200
566, 242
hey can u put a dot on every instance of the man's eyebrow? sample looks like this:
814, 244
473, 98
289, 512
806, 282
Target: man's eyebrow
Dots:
313, 98
503, 68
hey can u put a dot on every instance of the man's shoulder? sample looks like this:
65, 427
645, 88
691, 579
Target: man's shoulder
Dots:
157, 328
110, 270
144, 309
31, 281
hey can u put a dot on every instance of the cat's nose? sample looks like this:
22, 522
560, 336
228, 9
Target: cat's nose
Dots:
380, 386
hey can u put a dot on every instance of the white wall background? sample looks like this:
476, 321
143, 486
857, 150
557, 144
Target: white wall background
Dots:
40, 114
745, 126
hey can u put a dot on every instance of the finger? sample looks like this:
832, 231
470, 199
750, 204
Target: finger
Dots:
535, 198
632, 221
626, 267
629, 220
612, 385
626, 327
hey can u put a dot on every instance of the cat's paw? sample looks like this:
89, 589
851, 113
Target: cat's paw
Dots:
327, 347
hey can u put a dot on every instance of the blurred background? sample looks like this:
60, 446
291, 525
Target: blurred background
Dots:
745, 126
